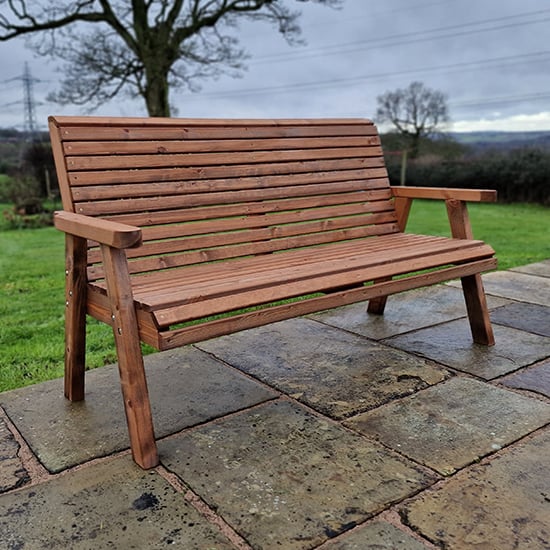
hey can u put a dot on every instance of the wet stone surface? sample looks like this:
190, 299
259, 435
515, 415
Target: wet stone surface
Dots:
542, 269
110, 505
284, 478
503, 504
336, 373
535, 378
378, 535
529, 317
450, 425
404, 312
451, 344
186, 387
12, 472
518, 286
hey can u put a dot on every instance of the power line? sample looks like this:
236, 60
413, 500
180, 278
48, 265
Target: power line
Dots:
500, 100
498, 62
402, 39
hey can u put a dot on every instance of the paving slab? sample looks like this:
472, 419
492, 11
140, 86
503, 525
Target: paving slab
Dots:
12, 472
283, 477
404, 312
518, 286
110, 505
542, 269
451, 344
186, 387
503, 504
453, 424
535, 378
378, 535
529, 317
336, 373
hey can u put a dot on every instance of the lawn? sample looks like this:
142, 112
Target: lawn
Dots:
32, 280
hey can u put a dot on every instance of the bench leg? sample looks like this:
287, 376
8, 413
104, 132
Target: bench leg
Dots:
75, 317
377, 305
478, 313
130, 360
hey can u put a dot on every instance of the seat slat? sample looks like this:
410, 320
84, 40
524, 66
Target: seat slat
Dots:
319, 260
170, 339
273, 291
155, 263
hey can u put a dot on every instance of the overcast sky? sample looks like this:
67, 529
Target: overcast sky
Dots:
491, 58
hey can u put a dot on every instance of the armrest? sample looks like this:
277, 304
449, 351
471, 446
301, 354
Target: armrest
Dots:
455, 201
445, 193
114, 234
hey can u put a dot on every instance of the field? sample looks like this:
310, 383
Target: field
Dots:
32, 280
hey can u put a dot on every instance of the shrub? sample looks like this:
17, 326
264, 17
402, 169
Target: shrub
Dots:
519, 175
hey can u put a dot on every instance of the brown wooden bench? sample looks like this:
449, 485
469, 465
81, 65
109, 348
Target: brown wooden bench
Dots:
170, 223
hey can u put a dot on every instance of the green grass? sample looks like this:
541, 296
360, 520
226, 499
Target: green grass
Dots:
32, 310
32, 284
519, 233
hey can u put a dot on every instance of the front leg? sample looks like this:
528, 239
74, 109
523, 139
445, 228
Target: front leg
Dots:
130, 359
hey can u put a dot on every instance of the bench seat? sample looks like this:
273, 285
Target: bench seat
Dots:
339, 270
182, 230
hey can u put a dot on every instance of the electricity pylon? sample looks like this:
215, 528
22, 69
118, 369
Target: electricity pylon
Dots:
30, 127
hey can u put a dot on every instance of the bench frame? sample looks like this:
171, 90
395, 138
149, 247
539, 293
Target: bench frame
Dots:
115, 239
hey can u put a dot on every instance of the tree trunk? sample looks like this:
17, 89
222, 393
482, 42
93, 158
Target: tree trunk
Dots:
403, 178
157, 94
415, 145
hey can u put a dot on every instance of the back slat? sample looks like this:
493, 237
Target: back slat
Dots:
166, 146
205, 190
108, 177
222, 158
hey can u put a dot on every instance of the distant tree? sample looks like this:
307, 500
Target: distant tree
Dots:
142, 47
415, 112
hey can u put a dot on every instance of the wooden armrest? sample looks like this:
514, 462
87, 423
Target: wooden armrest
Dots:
114, 234
445, 193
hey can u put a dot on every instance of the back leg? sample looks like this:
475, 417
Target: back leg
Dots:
478, 312
75, 317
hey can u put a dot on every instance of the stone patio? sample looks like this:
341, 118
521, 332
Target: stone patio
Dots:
336, 431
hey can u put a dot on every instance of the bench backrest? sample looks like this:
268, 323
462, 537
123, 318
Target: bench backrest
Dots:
205, 190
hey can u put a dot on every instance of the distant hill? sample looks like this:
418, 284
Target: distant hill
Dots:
502, 140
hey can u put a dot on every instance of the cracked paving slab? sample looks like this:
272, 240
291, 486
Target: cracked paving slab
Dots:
12, 472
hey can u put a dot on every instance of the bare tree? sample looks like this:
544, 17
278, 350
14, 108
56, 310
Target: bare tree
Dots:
415, 111
140, 47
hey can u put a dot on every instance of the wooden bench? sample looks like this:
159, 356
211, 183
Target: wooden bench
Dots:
170, 223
